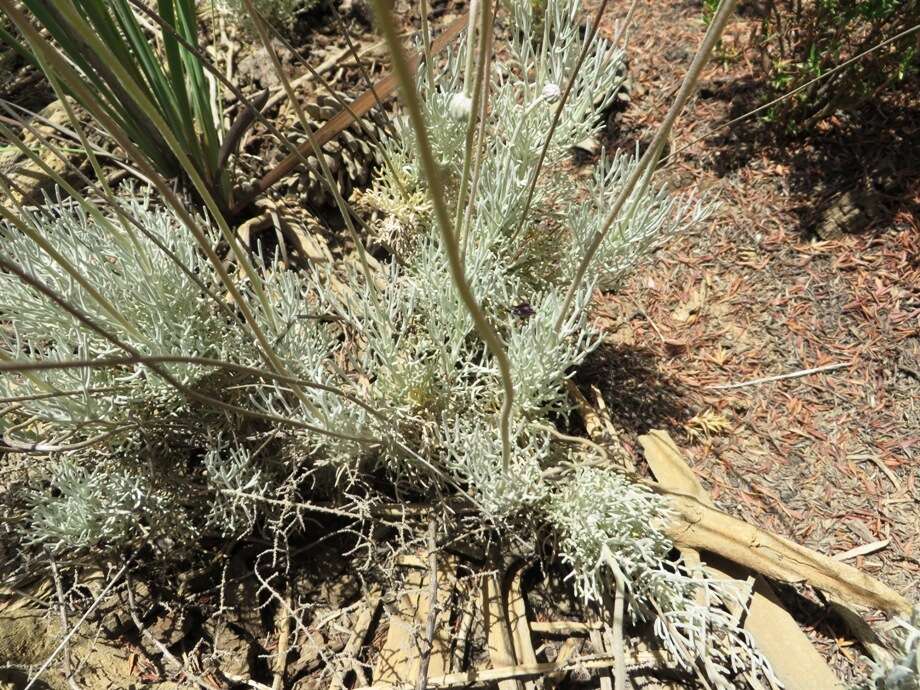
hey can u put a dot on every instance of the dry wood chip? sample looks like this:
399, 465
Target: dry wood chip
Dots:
398, 661
794, 660
863, 550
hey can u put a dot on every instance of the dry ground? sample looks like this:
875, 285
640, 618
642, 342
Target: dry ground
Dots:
832, 459
829, 459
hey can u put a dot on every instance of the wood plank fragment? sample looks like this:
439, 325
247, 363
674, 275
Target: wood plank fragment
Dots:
400, 651
669, 467
568, 648
634, 661
597, 642
698, 525
797, 664
519, 625
439, 662
517, 620
563, 627
498, 634
356, 640
469, 591
399, 659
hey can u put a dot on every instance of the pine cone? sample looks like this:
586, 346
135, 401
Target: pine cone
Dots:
351, 155
611, 115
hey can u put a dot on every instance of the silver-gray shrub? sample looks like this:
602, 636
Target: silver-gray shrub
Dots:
166, 310
108, 505
405, 346
903, 671
602, 516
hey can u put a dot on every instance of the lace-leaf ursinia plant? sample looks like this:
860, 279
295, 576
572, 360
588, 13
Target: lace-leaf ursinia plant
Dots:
159, 402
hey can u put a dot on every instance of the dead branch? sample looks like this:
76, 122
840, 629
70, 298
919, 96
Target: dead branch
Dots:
780, 377
428, 642
695, 523
698, 526
284, 636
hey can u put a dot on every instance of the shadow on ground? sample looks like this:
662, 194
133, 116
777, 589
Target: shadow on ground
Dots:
853, 173
637, 393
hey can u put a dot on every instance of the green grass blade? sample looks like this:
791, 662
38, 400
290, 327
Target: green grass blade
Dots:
187, 27
176, 68
138, 52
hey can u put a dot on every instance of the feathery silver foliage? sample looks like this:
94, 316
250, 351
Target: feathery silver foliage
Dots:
903, 673
602, 516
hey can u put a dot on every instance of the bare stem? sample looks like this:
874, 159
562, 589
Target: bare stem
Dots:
428, 642
619, 678
59, 591
451, 247
468, 76
589, 41
644, 168
284, 637
341, 204
474, 62
426, 42
478, 152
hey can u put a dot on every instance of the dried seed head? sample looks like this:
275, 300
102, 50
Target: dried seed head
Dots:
460, 106
551, 92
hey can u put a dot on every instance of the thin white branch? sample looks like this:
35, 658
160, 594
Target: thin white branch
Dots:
780, 377
73, 631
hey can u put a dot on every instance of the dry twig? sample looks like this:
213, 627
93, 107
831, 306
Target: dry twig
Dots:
64, 642
780, 377
284, 636
59, 590
428, 642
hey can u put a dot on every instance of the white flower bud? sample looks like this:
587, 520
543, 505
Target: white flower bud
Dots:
460, 106
551, 92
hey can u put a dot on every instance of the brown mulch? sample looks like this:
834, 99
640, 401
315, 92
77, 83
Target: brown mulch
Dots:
831, 460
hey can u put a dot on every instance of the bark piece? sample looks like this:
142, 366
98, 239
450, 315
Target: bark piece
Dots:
796, 662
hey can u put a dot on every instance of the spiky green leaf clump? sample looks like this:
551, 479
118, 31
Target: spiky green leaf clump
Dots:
163, 101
